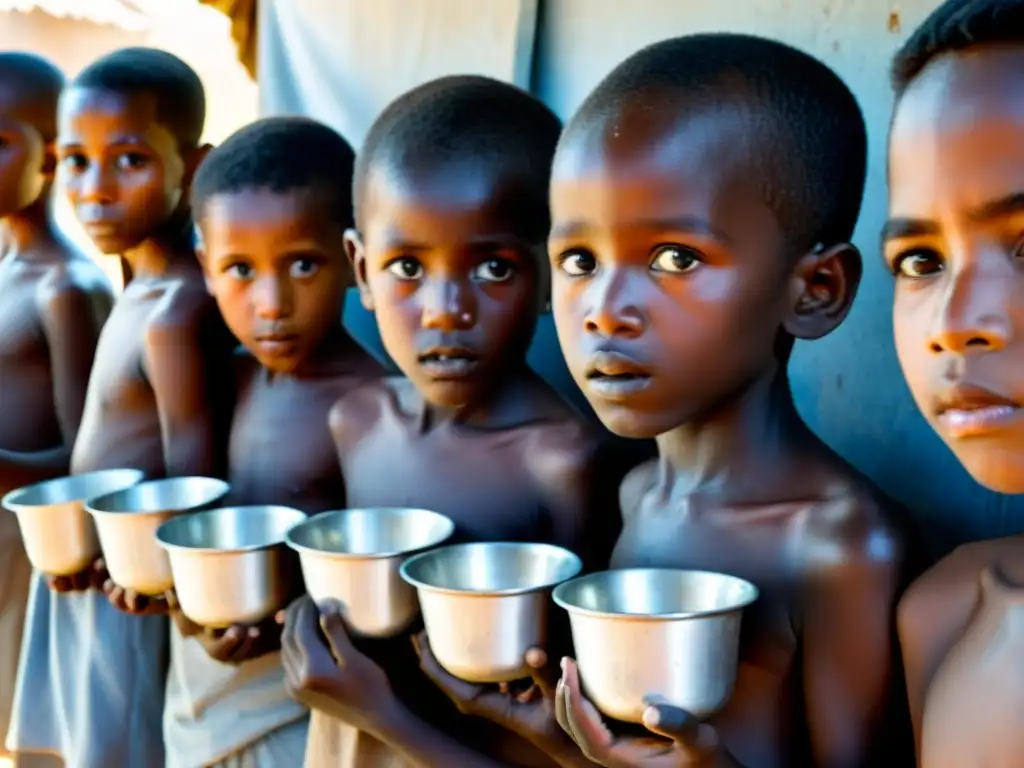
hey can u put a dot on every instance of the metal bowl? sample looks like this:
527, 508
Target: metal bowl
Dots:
354, 555
485, 605
230, 565
127, 521
656, 631
59, 536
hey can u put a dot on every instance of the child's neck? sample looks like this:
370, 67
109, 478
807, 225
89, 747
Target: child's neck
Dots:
742, 451
510, 404
167, 252
22, 231
336, 355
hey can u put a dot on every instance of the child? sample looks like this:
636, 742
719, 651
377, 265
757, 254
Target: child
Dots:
451, 209
53, 301
272, 206
91, 682
953, 241
702, 201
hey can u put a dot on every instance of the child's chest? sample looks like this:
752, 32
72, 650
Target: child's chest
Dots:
118, 376
758, 547
974, 710
21, 334
480, 482
281, 451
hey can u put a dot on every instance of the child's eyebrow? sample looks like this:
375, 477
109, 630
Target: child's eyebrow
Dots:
1008, 205
995, 209
894, 229
691, 224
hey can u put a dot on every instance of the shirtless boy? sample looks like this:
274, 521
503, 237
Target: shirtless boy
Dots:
129, 131
954, 244
53, 302
702, 201
272, 205
451, 210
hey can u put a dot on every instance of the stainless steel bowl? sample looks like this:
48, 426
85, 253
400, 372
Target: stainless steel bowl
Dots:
230, 565
353, 555
127, 521
656, 631
485, 605
59, 536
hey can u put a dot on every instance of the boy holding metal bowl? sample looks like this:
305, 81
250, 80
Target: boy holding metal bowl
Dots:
451, 216
702, 201
272, 205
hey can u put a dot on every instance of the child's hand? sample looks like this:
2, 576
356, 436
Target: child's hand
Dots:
134, 603
91, 577
334, 677
241, 642
693, 744
529, 713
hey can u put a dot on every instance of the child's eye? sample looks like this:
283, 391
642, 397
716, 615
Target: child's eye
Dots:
239, 271
75, 163
406, 268
304, 268
494, 271
577, 263
917, 264
130, 161
675, 259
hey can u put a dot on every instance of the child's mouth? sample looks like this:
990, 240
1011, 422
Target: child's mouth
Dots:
449, 364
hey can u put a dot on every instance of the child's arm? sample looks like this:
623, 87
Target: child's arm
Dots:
180, 374
72, 321
343, 683
847, 636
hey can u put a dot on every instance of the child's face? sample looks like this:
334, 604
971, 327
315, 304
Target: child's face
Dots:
122, 170
454, 283
955, 241
275, 263
669, 285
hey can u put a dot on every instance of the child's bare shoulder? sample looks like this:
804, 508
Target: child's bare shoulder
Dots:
956, 577
69, 281
356, 411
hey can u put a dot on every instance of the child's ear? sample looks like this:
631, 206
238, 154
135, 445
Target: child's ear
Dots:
49, 160
824, 284
192, 162
356, 253
200, 249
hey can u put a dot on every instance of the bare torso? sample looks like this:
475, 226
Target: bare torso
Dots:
489, 481
27, 281
962, 628
281, 450
776, 547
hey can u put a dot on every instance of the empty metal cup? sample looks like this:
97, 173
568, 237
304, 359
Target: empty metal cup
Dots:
59, 537
354, 555
230, 565
127, 521
485, 605
656, 631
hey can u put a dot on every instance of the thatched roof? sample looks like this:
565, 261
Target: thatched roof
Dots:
120, 13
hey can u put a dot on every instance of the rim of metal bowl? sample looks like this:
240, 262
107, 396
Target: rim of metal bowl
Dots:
557, 595
338, 513
212, 481
577, 566
10, 498
180, 520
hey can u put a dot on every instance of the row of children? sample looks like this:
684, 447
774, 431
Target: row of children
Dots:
696, 212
